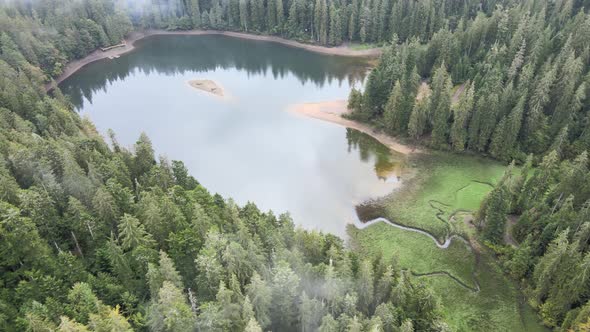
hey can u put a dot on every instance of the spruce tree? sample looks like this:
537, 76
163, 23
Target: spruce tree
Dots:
244, 16
280, 16
335, 35
495, 208
324, 24
461, 116
504, 140
419, 119
393, 115
317, 20
353, 20
196, 14
440, 107
271, 15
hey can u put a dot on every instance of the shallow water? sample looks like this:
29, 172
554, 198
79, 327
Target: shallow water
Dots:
247, 146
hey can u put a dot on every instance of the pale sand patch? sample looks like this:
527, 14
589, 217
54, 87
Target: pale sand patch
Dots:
207, 86
332, 111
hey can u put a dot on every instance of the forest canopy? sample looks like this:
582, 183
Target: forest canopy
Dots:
513, 84
95, 236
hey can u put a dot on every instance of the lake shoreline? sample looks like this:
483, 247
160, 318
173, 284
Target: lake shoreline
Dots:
332, 111
128, 46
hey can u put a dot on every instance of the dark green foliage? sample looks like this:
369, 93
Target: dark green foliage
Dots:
552, 235
111, 239
494, 212
114, 239
525, 76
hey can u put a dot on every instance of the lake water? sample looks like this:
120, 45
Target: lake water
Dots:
248, 146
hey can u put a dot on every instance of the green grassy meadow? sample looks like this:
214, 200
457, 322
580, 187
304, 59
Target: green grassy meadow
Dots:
444, 184
450, 186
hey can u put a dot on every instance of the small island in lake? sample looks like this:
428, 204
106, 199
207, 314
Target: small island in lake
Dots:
207, 86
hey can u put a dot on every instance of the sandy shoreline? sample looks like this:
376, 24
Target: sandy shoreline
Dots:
332, 111
75, 65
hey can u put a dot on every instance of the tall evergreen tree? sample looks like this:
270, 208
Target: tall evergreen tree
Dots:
440, 106
196, 13
461, 115
505, 136
395, 114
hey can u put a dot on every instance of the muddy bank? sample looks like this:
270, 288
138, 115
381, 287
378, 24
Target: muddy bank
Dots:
128, 45
332, 111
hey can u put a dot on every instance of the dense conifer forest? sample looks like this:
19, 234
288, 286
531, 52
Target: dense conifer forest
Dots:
512, 84
507, 84
95, 236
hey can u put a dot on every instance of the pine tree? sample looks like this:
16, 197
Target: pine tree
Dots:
280, 16
324, 23
535, 123
317, 20
244, 16
365, 24
233, 14
261, 295
133, 234
495, 208
83, 302
353, 20
560, 141
394, 115
365, 286
419, 118
311, 311
517, 61
355, 101
381, 20
271, 15
504, 140
253, 326
109, 319
329, 324
257, 15
67, 325
440, 106
285, 287
461, 116
549, 265
196, 14
486, 114
293, 18
144, 156
335, 35
168, 272
170, 312
396, 19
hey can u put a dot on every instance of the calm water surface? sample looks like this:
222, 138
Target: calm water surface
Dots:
247, 147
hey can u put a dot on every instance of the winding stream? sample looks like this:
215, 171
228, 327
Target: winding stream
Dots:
444, 245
